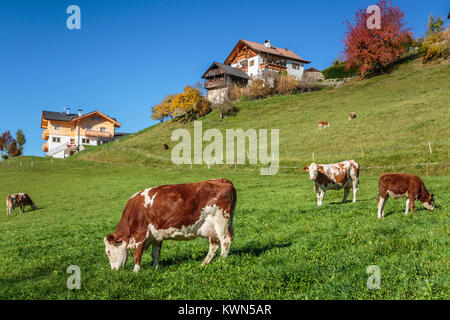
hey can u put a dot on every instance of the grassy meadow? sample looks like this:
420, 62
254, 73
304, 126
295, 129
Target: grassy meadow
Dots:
397, 115
285, 247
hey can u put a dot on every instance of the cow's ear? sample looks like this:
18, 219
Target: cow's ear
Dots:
306, 169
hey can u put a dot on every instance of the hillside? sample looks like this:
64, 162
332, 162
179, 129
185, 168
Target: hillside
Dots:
397, 115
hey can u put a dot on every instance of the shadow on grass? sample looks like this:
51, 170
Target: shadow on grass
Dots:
256, 249
252, 248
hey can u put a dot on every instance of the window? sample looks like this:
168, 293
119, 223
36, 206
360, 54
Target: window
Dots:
98, 118
102, 129
56, 127
295, 66
93, 118
84, 140
89, 128
252, 62
56, 139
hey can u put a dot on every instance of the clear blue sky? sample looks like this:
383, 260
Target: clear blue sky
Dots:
129, 54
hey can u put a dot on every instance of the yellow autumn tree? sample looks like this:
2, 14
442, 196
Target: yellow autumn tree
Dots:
162, 110
190, 104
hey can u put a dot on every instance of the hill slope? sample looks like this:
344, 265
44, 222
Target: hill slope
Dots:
397, 115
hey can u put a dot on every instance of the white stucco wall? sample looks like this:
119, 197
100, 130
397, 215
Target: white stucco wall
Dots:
294, 72
64, 140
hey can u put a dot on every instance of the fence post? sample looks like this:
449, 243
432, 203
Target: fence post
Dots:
313, 156
235, 165
429, 145
362, 153
427, 168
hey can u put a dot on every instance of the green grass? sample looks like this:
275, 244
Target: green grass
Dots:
397, 115
285, 246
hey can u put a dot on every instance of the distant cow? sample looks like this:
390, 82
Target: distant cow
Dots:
165, 147
19, 200
399, 185
351, 115
323, 124
178, 212
336, 176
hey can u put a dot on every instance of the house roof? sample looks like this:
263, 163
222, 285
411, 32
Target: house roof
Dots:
228, 70
259, 47
62, 116
59, 116
312, 70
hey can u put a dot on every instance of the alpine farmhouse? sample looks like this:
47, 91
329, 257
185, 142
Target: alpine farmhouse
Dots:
67, 133
250, 60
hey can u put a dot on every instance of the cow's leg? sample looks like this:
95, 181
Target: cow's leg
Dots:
407, 206
320, 195
224, 234
156, 250
213, 246
346, 192
355, 189
22, 209
381, 203
411, 203
138, 251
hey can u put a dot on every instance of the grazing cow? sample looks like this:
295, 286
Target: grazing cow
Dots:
399, 185
323, 124
178, 212
351, 115
334, 176
165, 147
19, 200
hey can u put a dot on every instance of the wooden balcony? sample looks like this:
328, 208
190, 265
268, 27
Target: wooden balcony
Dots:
272, 66
45, 134
97, 134
214, 84
45, 147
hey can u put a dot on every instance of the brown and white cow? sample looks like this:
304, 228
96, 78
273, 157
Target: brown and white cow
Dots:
178, 212
323, 124
336, 176
351, 115
19, 200
399, 185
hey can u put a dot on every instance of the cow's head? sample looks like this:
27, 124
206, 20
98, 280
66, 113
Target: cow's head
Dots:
117, 251
429, 202
313, 170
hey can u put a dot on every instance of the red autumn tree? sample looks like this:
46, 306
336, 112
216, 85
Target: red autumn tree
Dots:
373, 49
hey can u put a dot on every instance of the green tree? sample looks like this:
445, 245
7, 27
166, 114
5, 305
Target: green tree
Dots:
435, 27
20, 138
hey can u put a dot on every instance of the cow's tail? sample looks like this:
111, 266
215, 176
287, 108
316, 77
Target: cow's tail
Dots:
233, 207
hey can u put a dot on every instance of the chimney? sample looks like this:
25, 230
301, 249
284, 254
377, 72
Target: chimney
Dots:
80, 112
68, 111
267, 43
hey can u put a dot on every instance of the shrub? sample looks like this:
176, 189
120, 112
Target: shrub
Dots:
234, 93
436, 51
287, 85
226, 108
339, 71
259, 89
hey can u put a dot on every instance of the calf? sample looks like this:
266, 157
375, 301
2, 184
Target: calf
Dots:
323, 124
178, 212
19, 200
351, 115
336, 176
399, 185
